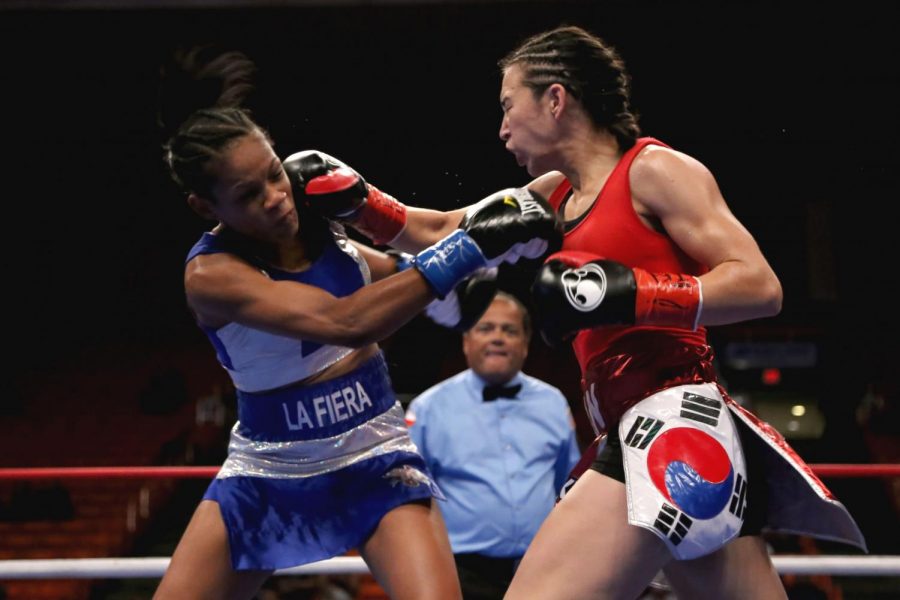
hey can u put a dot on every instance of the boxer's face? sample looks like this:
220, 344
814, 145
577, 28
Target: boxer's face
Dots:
528, 127
496, 347
252, 193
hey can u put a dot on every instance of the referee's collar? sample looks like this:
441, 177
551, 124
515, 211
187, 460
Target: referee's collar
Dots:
477, 384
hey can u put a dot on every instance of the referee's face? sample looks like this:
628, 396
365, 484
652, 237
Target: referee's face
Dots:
496, 346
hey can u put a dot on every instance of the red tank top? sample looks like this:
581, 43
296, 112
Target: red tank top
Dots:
622, 365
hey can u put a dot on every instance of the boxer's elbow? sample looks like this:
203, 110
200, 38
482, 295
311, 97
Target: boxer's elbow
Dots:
339, 324
353, 332
771, 296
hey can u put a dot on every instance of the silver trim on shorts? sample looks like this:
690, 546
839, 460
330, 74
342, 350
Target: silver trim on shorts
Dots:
381, 435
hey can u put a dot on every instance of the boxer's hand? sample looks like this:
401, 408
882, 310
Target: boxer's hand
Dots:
336, 191
574, 292
465, 305
512, 224
501, 228
326, 184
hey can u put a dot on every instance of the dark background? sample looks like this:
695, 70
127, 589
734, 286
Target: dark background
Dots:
793, 106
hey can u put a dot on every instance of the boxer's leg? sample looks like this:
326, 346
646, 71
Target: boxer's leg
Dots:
409, 554
587, 549
201, 564
742, 569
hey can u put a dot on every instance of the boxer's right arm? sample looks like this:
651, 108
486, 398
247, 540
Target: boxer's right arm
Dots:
332, 188
464, 305
576, 290
222, 288
336, 191
424, 227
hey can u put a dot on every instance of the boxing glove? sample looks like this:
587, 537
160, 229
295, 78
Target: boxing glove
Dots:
576, 290
334, 190
463, 306
511, 224
504, 227
467, 303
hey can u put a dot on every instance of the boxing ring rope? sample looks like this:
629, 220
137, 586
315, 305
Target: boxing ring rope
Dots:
155, 567
22, 474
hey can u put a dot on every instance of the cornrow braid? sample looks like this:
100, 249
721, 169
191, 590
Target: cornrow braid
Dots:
202, 91
591, 70
203, 137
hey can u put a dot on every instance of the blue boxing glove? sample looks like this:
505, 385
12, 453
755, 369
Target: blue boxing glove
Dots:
465, 304
449, 261
508, 225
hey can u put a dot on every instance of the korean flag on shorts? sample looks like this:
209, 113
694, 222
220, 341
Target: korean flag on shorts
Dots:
685, 474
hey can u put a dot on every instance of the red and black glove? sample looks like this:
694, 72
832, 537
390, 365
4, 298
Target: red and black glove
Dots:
334, 190
577, 290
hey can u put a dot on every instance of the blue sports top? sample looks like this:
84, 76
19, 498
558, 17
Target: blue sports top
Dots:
257, 360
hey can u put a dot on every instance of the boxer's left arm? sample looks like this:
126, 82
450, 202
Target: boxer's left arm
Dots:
684, 195
583, 464
424, 227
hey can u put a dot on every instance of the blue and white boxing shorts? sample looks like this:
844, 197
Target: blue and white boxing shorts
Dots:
311, 470
685, 474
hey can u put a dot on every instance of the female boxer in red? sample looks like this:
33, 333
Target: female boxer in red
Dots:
651, 256
686, 478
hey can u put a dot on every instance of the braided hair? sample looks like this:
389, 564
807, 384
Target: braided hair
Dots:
590, 70
202, 114
200, 111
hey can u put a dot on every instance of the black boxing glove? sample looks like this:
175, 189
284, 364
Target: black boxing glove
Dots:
465, 304
576, 290
504, 227
512, 224
334, 190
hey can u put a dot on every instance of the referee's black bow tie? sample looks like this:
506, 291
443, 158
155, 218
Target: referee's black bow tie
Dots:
492, 392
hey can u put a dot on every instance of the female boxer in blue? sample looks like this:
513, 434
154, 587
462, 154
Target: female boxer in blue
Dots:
319, 461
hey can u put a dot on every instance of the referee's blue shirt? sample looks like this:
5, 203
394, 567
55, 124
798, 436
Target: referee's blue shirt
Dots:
500, 463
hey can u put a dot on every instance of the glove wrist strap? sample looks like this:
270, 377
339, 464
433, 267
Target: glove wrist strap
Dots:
382, 218
447, 262
667, 300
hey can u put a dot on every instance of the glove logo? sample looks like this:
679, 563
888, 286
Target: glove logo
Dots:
585, 287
